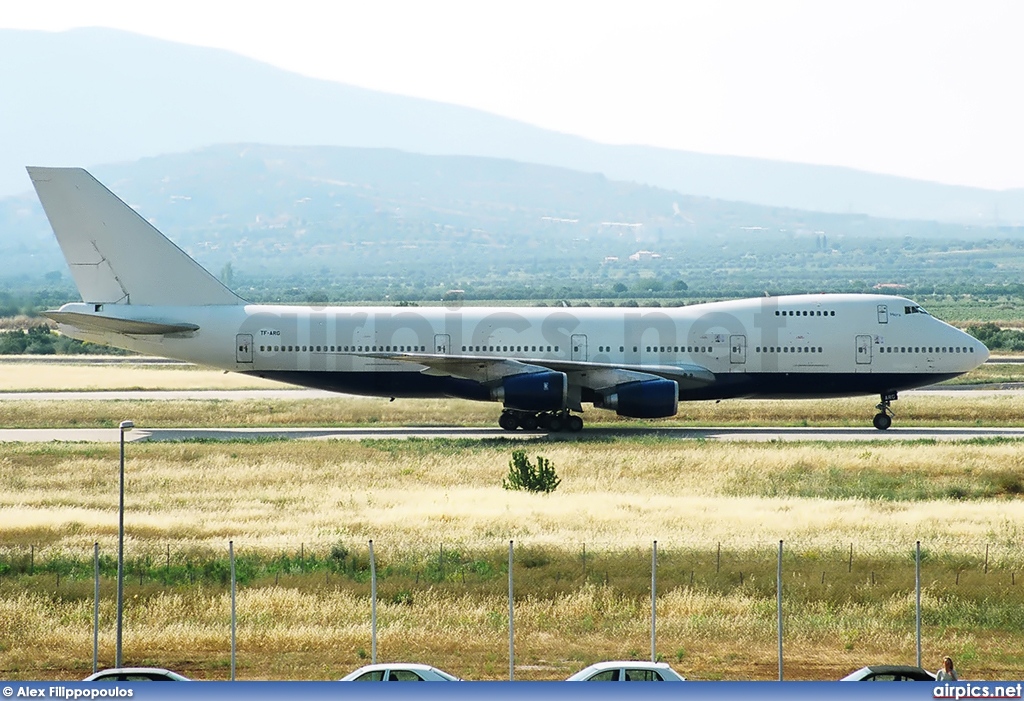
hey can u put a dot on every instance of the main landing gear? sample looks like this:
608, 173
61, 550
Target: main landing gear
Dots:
553, 421
883, 419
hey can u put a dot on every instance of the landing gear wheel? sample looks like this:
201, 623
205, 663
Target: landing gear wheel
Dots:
883, 419
528, 422
556, 423
574, 424
508, 421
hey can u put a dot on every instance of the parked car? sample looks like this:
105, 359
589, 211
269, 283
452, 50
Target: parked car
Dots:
136, 674
627, 671
889, 673
399, 672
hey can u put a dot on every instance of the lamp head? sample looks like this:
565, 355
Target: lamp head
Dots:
127, 425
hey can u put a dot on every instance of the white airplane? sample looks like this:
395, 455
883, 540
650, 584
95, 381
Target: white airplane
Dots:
143, 293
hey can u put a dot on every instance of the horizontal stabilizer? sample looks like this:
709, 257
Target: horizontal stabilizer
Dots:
107, 324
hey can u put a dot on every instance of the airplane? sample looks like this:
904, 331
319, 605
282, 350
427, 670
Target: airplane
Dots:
143, 293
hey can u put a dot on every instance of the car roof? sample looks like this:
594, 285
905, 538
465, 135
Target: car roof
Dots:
134, 670
895, 668
392, 665
612, 664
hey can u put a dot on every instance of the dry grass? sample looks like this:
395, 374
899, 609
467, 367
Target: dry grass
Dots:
962, 500
45, 377
271, 495
325, 634
913, 410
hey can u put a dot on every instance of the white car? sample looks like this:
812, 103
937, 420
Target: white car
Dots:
136, 674
889, 673
627, 671
399, 672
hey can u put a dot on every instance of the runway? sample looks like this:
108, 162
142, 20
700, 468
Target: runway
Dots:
710, 433
713, 433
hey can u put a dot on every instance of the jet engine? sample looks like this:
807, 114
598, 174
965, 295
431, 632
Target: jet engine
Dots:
646, 399
535, 391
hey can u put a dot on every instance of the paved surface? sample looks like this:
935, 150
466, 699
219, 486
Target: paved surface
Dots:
165, 395
299, 393
112, 435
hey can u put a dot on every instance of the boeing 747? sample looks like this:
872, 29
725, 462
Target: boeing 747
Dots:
143, 293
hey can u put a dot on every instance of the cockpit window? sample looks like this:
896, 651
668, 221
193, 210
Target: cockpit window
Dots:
913, 310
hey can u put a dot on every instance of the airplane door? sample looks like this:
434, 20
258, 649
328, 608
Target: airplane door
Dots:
737, 349
883, 314
442, 343
579, 346
243, 348
863, 350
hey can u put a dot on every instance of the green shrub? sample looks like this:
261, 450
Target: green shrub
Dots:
525, 476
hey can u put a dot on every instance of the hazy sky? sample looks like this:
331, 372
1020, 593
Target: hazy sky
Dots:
928, 89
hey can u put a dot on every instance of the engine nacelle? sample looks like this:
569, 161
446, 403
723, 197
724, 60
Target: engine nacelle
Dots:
646, 399
536, 391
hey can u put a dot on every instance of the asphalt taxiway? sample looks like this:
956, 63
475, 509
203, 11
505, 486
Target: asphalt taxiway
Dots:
716, 433
713, 433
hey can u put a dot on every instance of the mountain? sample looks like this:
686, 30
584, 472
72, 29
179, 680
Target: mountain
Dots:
284, 222
89, 96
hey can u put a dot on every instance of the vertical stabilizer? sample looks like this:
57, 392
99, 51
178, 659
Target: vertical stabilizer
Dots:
116, 256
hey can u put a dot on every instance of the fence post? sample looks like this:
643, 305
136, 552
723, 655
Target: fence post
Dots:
96, 607
917, 588
654, 598
231, 552
778, 604
373, 606
511, 622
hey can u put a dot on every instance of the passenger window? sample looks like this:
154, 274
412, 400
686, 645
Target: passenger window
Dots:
643, 675
404, 675
609, 675
376, 676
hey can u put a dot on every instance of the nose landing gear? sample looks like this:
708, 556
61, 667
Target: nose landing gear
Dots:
883, 419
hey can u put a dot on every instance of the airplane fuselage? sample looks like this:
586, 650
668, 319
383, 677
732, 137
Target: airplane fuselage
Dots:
790, 346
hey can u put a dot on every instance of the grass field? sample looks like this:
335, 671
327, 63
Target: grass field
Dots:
421, 499
300, 515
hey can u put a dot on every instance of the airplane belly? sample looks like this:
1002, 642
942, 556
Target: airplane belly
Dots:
809, 385
407, 385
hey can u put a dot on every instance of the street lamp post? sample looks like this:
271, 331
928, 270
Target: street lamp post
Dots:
125, 427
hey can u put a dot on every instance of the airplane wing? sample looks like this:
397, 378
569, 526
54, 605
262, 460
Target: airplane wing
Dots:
596, 376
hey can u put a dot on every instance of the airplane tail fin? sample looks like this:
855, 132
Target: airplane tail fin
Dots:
116, 256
